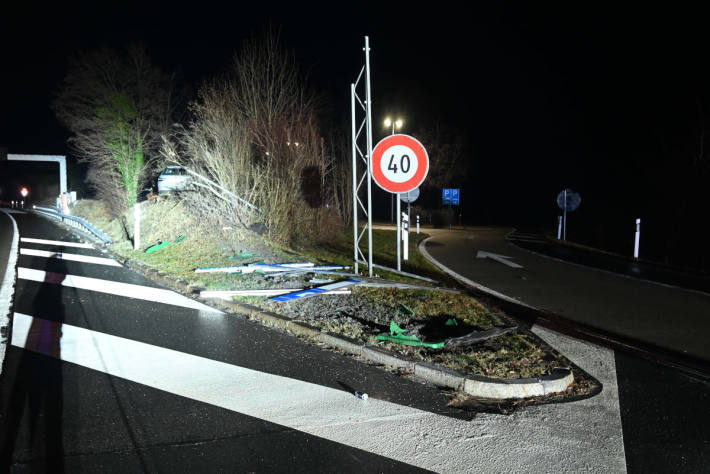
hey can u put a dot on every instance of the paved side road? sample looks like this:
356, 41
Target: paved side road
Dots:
663, 412
667, 317
107, 371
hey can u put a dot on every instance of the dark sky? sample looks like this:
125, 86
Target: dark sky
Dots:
548, 95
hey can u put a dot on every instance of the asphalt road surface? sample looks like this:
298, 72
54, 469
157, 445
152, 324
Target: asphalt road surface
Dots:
666, 316
108, 372
664, 412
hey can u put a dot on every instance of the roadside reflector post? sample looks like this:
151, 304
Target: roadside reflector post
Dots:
559, 227
417, 223
405, 235
136, 226
637, 238
65, 203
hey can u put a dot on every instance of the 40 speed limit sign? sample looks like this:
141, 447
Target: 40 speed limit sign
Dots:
399, 163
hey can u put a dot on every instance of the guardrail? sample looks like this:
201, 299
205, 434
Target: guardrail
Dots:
76, 222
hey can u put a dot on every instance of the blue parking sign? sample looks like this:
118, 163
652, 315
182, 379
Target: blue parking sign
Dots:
451, 196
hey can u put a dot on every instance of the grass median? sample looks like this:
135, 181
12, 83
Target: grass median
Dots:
364, 314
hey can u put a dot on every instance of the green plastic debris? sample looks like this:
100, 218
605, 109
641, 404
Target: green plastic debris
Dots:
410, 341
157, 247
179, 239
395, 330
451, 322
406, 309
397, 334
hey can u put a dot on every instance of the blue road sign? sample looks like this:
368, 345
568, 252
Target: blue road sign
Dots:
451, 196
568, 200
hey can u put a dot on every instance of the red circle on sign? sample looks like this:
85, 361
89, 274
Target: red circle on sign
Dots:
380, 151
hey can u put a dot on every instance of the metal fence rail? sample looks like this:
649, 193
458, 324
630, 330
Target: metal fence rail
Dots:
76, 222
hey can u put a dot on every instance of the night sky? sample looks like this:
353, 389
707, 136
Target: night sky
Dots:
605, 100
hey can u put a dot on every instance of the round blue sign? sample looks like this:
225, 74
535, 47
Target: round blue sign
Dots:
568, 200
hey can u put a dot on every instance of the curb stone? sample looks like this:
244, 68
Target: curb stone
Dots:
477, 386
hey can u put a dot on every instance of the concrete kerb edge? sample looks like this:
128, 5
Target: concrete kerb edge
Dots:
478, 386
484, 387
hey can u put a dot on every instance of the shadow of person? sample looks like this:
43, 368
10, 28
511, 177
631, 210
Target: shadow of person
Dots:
32, 384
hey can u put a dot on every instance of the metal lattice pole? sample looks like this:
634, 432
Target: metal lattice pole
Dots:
354, 150
369, 153
359, 180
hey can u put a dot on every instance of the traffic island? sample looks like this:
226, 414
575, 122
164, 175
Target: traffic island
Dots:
494, 359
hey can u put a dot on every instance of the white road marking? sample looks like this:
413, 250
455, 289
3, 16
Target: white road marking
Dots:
498, 258
600, 416
70, 256
488, 443
463, 279
128, 290
59, 243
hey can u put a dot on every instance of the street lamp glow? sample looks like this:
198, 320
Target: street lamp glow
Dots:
24, 191
394, 123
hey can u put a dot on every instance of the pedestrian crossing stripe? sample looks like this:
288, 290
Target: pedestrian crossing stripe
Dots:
128, 290
69, 256
59, 243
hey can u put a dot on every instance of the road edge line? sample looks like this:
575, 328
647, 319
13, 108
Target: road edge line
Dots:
7, 288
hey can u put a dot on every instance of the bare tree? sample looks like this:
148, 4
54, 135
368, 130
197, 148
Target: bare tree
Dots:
449, 159
116, 106
255, 132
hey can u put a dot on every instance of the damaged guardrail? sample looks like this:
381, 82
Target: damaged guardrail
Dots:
73, 221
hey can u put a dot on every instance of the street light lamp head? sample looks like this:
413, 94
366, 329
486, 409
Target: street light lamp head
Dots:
388, 122
398, 123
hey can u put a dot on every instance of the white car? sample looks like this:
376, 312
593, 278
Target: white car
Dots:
173, 178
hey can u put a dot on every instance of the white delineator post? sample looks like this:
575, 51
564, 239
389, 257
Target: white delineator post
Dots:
559, 227
405, 235
136, 226
637, 238
65, 203
417, 224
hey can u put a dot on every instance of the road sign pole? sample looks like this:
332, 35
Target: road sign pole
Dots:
399, 234
565, 218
